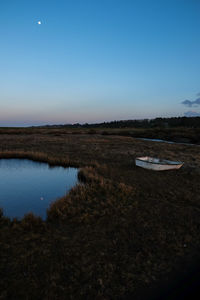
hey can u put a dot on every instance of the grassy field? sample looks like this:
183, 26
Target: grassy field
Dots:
178, 134
126, 233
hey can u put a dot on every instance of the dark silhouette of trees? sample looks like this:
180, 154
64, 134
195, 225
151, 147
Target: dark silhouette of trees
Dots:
186, 122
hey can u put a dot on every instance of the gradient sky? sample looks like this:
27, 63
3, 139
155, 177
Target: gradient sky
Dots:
97, 60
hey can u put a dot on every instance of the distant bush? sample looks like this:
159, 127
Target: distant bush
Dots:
3, 220
105, 132
92, 131
76, 132
32, 222
1, 212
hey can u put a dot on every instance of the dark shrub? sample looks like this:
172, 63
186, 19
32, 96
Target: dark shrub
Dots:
32, 222
105, 132
92, 131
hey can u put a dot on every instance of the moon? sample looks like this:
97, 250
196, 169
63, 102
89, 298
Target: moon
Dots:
39, 22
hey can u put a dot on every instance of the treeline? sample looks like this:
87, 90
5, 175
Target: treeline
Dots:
188, 122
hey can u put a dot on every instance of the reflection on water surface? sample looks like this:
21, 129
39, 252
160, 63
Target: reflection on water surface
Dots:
29, 186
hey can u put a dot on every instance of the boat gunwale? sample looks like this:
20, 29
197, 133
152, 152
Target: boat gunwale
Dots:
161, 163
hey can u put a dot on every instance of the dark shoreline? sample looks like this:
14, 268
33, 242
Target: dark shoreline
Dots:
168, 142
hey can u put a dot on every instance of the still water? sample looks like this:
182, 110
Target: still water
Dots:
29, 186
168, 142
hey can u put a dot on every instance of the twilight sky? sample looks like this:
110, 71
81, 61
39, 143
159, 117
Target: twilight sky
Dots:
98, 60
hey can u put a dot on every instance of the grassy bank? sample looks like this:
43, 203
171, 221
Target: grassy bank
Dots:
178, 134
120, 235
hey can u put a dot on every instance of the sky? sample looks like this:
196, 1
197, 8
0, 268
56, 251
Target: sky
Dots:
98, 60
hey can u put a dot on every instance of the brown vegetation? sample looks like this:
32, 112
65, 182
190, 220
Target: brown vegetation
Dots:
114, 235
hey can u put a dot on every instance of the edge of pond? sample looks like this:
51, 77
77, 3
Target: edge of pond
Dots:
43, 158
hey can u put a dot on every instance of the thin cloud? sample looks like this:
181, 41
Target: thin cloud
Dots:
189, 103
197, 101
191, 114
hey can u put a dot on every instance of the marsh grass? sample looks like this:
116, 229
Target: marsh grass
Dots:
38, 156
178, 134
98, 197
115, 234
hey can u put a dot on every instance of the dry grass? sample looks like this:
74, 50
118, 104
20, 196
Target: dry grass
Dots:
112, 237
37, 156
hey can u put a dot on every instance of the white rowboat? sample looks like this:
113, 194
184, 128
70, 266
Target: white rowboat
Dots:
157, 164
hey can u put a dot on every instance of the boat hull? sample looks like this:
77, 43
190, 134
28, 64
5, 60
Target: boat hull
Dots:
157, 166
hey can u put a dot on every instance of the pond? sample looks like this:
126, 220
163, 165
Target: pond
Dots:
30, 186
168, 142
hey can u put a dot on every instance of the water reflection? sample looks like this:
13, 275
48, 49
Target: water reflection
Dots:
29, 186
